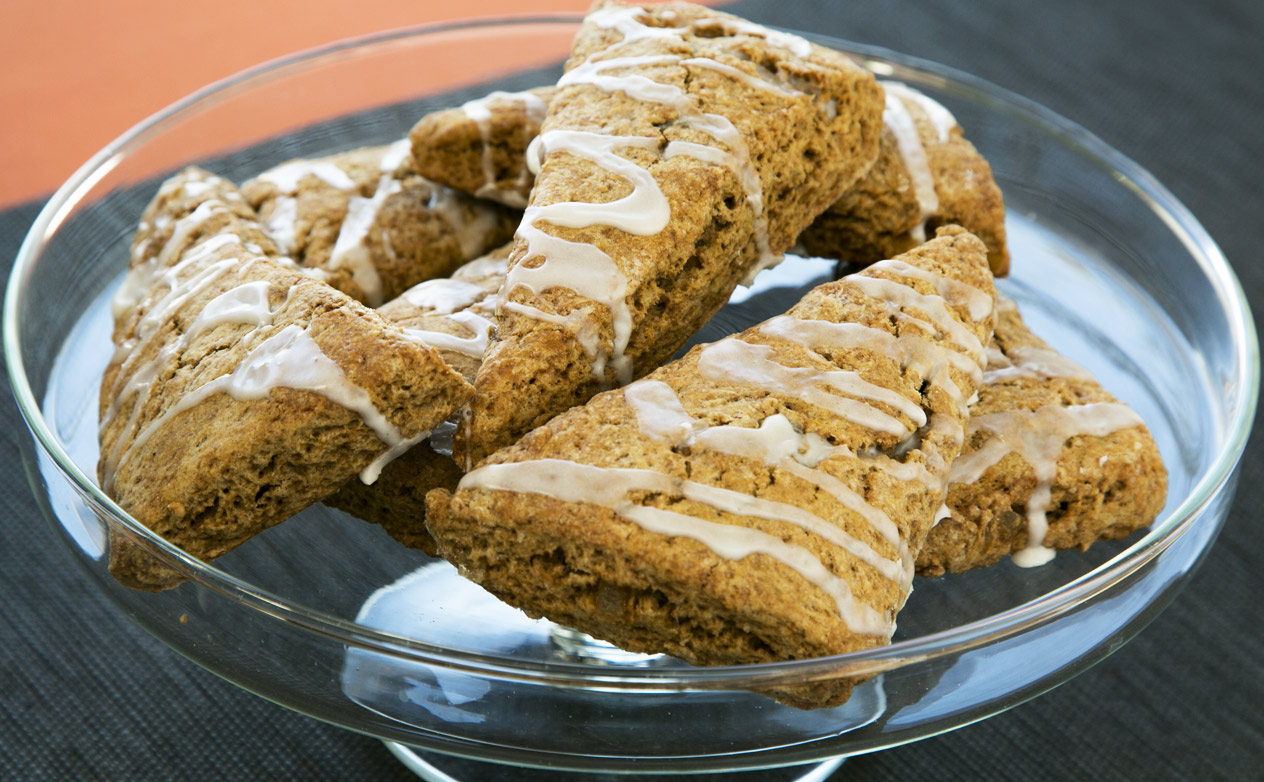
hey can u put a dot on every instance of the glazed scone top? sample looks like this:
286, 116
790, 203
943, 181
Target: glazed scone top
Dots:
1012, 416
644, 211
206, 246
778, 395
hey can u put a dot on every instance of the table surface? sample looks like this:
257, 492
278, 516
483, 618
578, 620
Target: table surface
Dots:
1175, 86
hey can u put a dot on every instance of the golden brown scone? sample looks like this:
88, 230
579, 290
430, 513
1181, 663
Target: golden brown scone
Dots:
396, 501
1047, 446
452, 315
927, 174
163, 229
371, 225
241, 389
675, 163
481, 147
760, 499
878, 218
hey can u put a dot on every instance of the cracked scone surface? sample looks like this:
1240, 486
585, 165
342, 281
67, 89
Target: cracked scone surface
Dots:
242, 390
717, 513
370, 224
1104, 475
601, 298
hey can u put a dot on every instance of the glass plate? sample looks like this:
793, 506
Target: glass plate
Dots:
328, 616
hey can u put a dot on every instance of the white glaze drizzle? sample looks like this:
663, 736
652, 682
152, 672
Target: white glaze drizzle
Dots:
977, 303
1031, 362
928, 359
608, 279
750, 80
737, 158
443, 296
290, 358
896, 118
610, 487
465, 299
899, 296
661, 416
479, 112
135, 383
741, 363
350, 250
591, 273
286, 177
247, 303
469, 222
1037, 437
142, 276
776, 442
474, 346
643, 212
582, 267
939, 117
393, 155
796, 45
626, 23
281, 223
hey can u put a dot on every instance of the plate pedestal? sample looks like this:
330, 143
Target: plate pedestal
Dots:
441, 768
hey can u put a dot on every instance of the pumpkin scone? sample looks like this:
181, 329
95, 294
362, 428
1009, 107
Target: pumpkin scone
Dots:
1051, 461
683, 151
452, 315
370, 224
241, 389
762, 498
480, 148
927, 174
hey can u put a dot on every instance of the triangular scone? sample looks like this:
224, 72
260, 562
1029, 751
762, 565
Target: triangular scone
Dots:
452, 315
683, 151
481, 147
242, 390
927, 174
1051, 461
762, 498
370, 224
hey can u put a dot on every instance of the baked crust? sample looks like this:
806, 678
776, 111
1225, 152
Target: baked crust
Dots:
1107, 480
480, 148
558, 546
242, 390
451, 315
802, 128
882, 215
370, 224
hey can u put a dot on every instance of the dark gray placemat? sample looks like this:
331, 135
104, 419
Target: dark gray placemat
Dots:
1177, 87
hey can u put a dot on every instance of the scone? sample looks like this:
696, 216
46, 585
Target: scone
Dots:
684, 150
927, 174
242, 390
1051, 461
454, 316
481, 147
370, 225
762, 498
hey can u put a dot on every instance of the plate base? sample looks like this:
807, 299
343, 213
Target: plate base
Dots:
434, 767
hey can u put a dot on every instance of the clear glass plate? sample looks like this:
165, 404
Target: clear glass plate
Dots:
328, 616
